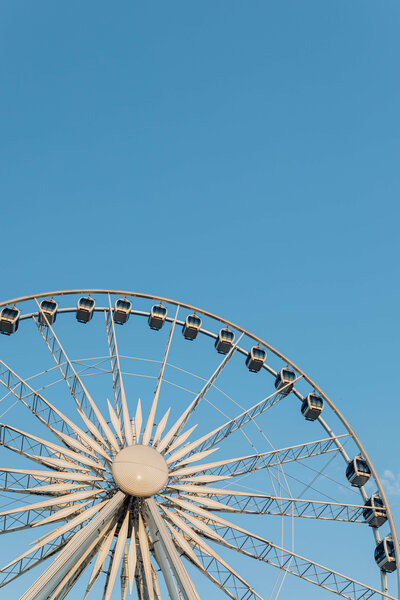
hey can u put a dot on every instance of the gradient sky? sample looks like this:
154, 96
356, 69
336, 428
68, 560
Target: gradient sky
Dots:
240, 156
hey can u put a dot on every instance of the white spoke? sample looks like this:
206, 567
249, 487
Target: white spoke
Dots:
100, 560
83, 399
117, 557
179, 454
62, 514
115, 423
59, 501
48, 414
124, 574
181, 439
204, 547
145, 553
50, 537
251, 503
20, 480
150, 421
118, 383
233, 467
159, 530
160, 428
180, 423
132, 558
216, 435
55, 573
34, 560
82, 560
138, 421
280, 557
44, 452
183, 544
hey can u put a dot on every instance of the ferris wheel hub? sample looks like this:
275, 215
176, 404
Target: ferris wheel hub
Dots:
140, 471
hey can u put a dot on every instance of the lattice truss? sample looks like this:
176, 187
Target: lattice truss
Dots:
136, 540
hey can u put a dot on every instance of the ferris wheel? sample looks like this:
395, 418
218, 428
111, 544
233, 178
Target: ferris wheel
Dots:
151, 449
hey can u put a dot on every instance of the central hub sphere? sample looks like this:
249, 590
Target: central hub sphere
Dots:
140, 471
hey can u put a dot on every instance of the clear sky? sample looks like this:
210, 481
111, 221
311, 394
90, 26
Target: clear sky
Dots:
240, 156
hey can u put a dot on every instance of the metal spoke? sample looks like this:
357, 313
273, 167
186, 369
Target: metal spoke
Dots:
210, 562
234, 467
43, 452
159, 532
150, 420
181, 422
34, 560
56, 533
100, 560
121, 405
254, 546
116, 557
263, 504
216, 435
55, 573
83, 399
83, 558
27, 481
48, 414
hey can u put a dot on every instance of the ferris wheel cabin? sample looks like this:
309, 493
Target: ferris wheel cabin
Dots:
9, 319
224, 341
374, 511
312, 406
122, 311
255, 359
358, 472
157, 316
84, 309
284, 381
48, 312
191, 327
384, 555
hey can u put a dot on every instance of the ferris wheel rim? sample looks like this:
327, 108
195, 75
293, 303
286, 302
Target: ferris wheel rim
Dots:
258, 340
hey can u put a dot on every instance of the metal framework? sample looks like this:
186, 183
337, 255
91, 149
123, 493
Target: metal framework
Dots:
135, 538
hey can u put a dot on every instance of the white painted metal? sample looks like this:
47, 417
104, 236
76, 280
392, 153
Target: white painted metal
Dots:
116, 423
205, 522
158, 527
144, 549
117, 556
100, 560
179, 454
138, 421
132, 558
161, 427
65, 559
58, 501
150, 420
119, 389
181, 439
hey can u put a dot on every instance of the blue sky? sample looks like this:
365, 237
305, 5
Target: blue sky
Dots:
242, 157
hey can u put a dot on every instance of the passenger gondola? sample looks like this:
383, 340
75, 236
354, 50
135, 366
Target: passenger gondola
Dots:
157, 316
224, 341
358, 472
84, 309
9, 320
255, 359
374, 511
312, 406
48, 312
191, 327
384, 555
284, 381
122, 311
